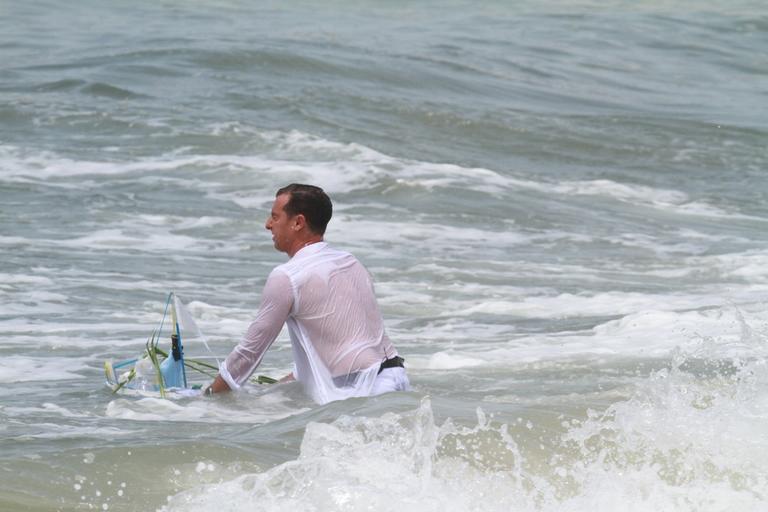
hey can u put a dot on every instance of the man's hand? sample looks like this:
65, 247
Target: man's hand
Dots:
218, 385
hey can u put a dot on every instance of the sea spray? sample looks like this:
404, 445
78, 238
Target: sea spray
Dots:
689, 437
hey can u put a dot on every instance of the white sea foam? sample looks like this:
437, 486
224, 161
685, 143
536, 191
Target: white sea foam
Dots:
45, 410
13, 240
353, 165
65, 431
293, 155
665, 248
252, 406
639, 456
44, 165
362, 233
175, 221
339, 168
39, 369
120, 239
644, 334
450, 361
27, 300
8, 281
664, 199
566, 305
679, 433
81, 331
624, 192
750, 265
156, 237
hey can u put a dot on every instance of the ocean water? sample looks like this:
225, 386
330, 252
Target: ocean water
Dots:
563, 205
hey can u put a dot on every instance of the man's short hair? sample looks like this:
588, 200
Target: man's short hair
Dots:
310, 201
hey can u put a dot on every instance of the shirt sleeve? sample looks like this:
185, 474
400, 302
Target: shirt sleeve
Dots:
276, 304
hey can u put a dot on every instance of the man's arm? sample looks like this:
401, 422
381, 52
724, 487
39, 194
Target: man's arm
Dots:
276, 304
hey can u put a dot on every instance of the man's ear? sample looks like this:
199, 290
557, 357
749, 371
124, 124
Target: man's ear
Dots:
299, 221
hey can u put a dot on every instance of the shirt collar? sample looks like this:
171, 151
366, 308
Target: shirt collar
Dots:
310, 249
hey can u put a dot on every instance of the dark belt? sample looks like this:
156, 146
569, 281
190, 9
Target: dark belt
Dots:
395, 362
345, 380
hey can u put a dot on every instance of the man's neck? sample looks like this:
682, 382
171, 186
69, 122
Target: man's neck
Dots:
303, 243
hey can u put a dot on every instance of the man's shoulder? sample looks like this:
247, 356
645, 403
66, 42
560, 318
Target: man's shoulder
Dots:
310, 260
334, 251
279, 275
322, 251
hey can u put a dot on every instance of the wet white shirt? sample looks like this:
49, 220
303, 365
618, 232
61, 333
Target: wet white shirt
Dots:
326, 298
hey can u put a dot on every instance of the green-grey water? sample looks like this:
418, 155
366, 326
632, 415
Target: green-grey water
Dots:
562, 204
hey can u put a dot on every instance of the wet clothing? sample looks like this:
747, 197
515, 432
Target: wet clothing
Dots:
326, 298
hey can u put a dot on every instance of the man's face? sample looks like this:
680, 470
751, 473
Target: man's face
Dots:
281, 225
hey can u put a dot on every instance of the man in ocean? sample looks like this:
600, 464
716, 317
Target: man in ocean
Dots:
326, 297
